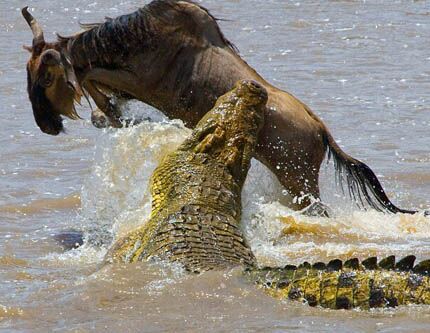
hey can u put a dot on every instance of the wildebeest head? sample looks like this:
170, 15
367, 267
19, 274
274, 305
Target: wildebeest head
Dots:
51, 82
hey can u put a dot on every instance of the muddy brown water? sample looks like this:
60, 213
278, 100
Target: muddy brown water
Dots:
362, 66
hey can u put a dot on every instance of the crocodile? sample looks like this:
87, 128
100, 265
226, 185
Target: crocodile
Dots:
196, 211
196, 190
338, 285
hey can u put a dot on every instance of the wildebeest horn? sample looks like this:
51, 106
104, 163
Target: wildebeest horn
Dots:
35, 27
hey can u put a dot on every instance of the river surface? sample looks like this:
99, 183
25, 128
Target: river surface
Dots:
362, 66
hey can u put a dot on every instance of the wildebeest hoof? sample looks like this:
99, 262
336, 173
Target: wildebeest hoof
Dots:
99, 119
70, 239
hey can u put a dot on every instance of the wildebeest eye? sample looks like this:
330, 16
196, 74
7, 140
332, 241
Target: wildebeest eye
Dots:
46, 80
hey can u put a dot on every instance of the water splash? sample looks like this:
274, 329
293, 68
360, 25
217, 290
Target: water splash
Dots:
116, 199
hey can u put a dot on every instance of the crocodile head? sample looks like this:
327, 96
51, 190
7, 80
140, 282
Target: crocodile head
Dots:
229, 131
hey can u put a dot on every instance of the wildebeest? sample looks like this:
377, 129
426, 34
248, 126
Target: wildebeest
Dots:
172, 55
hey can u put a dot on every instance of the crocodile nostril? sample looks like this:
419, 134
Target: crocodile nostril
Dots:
255, 85
251, 84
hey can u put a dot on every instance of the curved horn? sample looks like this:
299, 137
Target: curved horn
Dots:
35, 27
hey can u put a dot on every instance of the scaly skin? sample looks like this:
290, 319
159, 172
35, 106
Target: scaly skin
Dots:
350, 286
196, 208
196, 190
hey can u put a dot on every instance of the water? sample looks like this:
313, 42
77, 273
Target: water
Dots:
362, 66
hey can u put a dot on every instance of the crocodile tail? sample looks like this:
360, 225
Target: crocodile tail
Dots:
363, 185
352, 284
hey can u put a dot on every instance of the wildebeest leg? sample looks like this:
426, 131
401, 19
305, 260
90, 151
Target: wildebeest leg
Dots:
106, 114
304, 191
301, 183
120, 81
296, 171
306, 194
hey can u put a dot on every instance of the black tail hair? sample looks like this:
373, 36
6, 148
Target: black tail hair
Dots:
363, 185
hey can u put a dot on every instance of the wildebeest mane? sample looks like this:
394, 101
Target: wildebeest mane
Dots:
111, 42
158, 8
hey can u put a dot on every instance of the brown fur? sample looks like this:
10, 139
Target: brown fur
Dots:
173, 56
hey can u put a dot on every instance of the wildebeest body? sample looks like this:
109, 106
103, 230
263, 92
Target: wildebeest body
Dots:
173, 56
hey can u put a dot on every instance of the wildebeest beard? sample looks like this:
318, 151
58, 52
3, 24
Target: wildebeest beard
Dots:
47, 118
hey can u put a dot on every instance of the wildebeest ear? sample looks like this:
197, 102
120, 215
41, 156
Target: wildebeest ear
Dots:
27, 48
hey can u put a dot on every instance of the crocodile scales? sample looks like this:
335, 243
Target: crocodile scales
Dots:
196, 209
196, 190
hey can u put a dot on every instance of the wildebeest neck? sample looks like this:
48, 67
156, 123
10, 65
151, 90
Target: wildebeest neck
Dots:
114, 42
179, 59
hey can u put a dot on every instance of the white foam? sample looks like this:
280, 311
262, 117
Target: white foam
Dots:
116, 196
115, 199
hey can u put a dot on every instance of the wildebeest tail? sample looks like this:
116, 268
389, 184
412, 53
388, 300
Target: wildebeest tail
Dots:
362, 183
